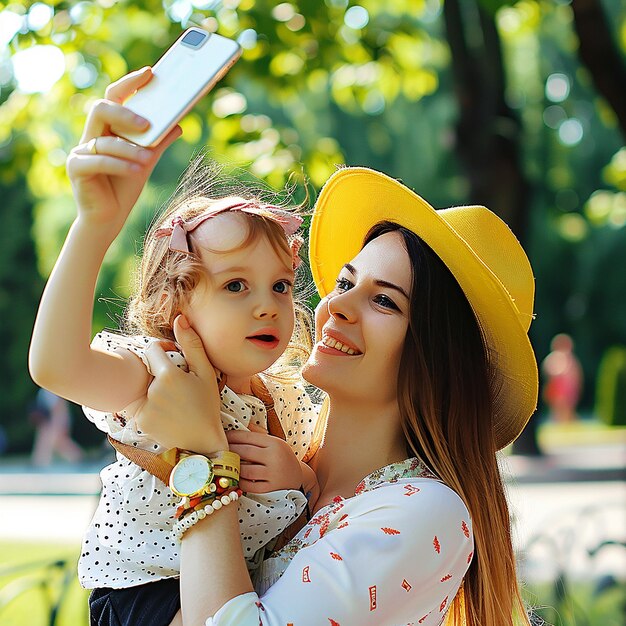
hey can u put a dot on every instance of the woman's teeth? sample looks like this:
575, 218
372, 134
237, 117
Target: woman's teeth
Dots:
337, 345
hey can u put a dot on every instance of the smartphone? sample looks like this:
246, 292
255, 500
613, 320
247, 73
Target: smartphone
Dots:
181, 77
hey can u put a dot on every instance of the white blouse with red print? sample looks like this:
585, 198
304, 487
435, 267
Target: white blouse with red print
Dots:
394, 554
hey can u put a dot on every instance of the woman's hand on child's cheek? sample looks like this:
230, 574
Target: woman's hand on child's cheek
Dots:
182, 410
267, 463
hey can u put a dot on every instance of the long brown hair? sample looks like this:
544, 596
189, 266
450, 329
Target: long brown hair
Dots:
445, 390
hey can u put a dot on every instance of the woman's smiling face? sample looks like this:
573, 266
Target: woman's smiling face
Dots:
362, 324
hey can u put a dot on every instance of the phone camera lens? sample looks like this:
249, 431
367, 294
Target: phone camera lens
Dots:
194, 38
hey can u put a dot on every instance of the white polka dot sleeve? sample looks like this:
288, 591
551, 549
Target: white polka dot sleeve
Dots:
117, 424
394, 555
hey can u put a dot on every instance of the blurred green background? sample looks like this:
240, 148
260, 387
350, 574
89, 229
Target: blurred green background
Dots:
520, 106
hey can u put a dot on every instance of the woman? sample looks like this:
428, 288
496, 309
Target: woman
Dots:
422, 350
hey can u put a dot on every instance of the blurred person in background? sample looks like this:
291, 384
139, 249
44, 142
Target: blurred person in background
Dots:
563, 379
51, 416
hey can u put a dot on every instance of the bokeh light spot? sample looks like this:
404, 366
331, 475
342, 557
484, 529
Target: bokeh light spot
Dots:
38, 68
356, 17
557, 87
570, 132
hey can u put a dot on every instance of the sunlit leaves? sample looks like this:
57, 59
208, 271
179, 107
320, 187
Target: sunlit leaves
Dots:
606, 208
615, 171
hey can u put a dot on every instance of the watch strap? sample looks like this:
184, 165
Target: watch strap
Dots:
225, 463
159, 465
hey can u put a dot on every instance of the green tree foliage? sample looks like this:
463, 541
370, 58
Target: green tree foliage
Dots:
320, 83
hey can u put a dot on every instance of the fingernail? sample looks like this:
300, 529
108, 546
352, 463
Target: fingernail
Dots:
141, 121
183, 322
145, 155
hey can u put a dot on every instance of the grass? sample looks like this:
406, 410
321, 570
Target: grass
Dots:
31, 587
582, 604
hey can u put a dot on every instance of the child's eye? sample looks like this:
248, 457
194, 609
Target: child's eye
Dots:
282, 286
235, 286
386, 302
343, 284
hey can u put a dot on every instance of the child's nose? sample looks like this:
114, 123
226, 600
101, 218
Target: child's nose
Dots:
266, 308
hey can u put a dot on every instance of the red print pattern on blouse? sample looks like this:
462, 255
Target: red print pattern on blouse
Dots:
390, 531
437, 545
372, 591
323, 519
465, 529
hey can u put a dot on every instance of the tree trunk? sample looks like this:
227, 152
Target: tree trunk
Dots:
488, 131
599, 54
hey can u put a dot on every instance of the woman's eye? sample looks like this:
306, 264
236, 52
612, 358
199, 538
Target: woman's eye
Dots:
343, 284
235, 286
386, 302
282, 286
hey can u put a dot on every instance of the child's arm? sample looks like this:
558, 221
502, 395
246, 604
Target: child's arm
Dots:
60, 358
106, 185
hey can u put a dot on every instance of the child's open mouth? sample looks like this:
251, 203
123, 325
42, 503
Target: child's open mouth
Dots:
264, 340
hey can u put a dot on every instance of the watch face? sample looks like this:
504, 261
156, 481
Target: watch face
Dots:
190, 475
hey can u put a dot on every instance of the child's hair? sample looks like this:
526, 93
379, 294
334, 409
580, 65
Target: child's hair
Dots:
165, 277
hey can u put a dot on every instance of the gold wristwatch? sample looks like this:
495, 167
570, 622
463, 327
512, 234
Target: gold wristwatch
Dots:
193, 475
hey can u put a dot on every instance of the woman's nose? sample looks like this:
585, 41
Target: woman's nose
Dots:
340, 307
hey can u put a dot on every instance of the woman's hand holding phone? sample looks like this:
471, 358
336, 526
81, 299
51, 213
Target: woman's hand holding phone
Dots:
127, 131
107, 172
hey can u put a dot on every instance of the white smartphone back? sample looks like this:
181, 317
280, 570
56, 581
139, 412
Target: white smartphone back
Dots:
183, 75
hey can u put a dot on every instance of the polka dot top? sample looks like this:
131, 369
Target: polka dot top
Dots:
129, 540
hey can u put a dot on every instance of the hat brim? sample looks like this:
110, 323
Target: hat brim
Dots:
353, 200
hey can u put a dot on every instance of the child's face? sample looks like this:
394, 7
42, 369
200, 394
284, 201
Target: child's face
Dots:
243, 311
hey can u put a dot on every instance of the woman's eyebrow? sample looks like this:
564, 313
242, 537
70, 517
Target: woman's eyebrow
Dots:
384, 283
379, 282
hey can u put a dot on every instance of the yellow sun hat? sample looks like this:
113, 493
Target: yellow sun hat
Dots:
478, 248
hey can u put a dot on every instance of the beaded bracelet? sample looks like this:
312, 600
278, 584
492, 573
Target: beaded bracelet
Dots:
217, 488
188, 520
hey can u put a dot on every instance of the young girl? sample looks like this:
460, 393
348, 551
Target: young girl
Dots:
224, 265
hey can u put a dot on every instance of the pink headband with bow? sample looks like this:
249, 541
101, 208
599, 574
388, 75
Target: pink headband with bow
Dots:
180, 228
